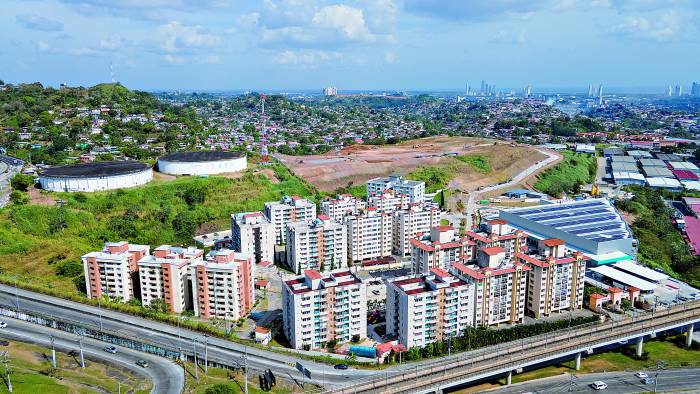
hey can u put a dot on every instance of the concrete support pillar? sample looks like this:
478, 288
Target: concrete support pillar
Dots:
689, 338
640, 346
509, 378
578, 361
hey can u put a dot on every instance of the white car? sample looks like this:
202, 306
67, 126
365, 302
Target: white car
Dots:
3, 324
641, 375
599, 385
111, 349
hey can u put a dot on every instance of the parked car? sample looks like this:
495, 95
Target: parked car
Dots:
142, 363
599, 385
641, 375
111, 349
341, 366
648, 381
3, 324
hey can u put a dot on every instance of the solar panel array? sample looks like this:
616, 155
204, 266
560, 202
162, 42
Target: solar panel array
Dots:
593, 220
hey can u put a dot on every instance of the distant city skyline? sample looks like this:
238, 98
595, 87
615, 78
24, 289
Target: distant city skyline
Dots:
353, 44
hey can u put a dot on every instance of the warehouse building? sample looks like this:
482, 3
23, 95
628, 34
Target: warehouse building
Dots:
628, 178
652, 163
668, 184
592, 226
657, 172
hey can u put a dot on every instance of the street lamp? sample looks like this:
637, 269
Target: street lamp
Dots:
659, 366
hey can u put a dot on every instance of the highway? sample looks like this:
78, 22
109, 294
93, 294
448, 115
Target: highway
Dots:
618, 382
495, 360
167, 376
174, 338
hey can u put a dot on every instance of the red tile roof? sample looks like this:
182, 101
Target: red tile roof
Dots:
553, 242
497, 221
312, 274
468, 271
444, 228
439, 272
494, 250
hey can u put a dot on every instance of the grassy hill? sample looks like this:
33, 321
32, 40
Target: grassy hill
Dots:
568, 176
41, 245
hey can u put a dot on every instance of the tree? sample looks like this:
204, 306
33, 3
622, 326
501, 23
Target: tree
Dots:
221, 388
158, 305
19, 198
332, 262
21, 182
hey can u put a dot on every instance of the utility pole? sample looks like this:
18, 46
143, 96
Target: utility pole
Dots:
179, 339
53, 353
206, 356
196, 372
119, 387
82, 359
99, 312
6, 360
16, 295
245, 369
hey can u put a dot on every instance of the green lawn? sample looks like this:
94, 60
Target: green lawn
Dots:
233, 379
478, 162
32, 373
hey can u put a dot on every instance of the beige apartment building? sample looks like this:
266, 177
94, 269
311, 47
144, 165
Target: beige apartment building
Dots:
253, 234
370, 235
292, 209
164, 275
319, 245
113, 271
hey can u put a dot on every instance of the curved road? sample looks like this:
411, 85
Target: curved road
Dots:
471, 202
168, 336
670, 380
167, 377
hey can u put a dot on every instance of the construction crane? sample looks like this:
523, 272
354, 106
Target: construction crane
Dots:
263, 133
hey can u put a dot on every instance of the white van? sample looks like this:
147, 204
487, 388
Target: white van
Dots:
599, 385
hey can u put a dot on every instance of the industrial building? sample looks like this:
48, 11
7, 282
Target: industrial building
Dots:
202, 163
318, 308
592, 226
657, 172
91, 177
628, 178
668, 184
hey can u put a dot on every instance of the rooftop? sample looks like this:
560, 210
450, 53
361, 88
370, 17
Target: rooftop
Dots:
97, 169
198, 156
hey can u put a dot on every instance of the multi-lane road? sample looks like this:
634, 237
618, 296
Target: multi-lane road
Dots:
671, 380
174, 338
167, 376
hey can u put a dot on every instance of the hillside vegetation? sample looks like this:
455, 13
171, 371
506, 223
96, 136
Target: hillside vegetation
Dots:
42, 245
660, 244
575, 170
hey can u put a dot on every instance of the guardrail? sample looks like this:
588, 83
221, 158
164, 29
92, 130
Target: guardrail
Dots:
510, 356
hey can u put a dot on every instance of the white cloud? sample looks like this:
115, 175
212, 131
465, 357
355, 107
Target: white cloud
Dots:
659, 26
389, 58
173, 59
38, 22
349, 21
307, 59
43, 46
176, 37
111, 43
508, 37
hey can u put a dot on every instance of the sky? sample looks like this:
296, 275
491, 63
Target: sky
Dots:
350, 44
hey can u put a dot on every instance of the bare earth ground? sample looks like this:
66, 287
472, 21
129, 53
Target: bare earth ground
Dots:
358, 163
36, 197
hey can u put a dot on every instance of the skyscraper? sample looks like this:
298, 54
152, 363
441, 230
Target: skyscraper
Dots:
669, 92
483, 86
695, 89
600, 95
590, 90
679, 90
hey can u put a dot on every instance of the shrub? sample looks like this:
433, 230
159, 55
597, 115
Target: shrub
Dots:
21, 182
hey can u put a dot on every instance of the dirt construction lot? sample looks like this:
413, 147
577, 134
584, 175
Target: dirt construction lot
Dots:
358, 163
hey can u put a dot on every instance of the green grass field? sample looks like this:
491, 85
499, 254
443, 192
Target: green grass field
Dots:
41, 245
233, 380
32, 373
478, 162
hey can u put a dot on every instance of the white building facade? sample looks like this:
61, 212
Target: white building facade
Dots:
408, 223
254, 235
113, 271
289, 210
320, 245
370, 235
164, 275
318, 308
415, 190
341, 206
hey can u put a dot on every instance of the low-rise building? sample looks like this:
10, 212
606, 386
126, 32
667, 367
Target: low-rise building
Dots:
319, 308
222, 285
164, 276
370, 235
289, 210
253, 234
113, 271
320, 245
428, 308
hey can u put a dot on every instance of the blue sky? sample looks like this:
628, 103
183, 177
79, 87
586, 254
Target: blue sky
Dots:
356, 44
